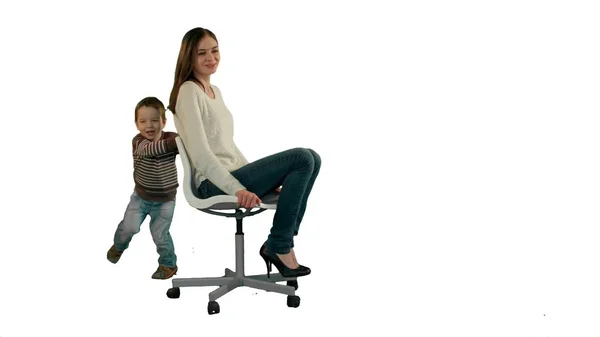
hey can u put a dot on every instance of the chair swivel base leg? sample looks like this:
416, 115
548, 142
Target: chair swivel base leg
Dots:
231, 281
234, 279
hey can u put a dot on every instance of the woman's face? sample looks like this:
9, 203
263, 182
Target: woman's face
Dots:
207, 57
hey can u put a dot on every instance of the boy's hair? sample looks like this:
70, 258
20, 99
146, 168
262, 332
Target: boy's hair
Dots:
151, 102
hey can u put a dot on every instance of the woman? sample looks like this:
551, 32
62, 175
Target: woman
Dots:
205, 126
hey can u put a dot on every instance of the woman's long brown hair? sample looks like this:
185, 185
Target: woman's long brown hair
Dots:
184, 70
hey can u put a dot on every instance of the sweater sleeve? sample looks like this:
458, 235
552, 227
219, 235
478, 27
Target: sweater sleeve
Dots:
189, 109
145, 148
244, 160
237, 150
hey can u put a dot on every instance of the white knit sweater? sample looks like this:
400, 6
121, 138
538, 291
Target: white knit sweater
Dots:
205, 126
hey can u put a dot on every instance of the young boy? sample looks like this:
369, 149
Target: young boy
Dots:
155, 176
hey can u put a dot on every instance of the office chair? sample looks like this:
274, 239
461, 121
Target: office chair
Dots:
232, 279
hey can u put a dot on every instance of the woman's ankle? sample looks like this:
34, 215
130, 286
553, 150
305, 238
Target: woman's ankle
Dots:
288, 260
294, 256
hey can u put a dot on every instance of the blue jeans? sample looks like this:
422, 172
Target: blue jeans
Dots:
161, 215
296, 171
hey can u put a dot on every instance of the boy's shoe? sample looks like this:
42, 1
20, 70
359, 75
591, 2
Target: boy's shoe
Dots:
113, 255
164, 272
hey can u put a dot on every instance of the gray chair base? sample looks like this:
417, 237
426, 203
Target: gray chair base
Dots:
234, 279
231, 279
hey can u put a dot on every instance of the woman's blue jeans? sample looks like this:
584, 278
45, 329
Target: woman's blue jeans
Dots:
296, 171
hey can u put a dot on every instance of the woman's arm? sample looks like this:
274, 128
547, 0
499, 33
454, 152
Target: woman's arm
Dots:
237, 150
189, 109
244, 160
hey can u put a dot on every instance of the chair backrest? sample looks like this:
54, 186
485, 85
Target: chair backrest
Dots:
190, 190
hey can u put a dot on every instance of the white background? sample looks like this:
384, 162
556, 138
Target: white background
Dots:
458, 194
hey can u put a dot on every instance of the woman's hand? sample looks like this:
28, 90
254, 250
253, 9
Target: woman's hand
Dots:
278, 190
247, 199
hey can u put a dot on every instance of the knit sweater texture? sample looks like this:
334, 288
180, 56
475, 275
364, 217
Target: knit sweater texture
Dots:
205, 126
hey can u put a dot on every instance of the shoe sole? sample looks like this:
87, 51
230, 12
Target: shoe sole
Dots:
166, 277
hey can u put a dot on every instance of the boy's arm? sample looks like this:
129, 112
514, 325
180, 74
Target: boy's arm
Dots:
170, 138
144, 148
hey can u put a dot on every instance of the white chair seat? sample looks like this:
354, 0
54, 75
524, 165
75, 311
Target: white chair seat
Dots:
219, 202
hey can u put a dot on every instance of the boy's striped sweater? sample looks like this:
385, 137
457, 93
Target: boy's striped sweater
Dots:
154, 169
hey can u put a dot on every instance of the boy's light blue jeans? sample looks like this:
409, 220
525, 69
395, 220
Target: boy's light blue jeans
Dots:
161, 215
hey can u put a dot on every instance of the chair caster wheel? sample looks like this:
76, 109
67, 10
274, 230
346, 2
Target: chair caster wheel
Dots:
213, 307
293, 301
173, 292
293, 284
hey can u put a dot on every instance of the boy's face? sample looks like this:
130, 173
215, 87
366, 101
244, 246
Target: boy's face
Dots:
149, 123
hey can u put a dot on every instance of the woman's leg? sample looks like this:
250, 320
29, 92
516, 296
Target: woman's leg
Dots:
292, 169
311, 182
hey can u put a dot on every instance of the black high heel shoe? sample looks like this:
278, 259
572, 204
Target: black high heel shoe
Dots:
283, 269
